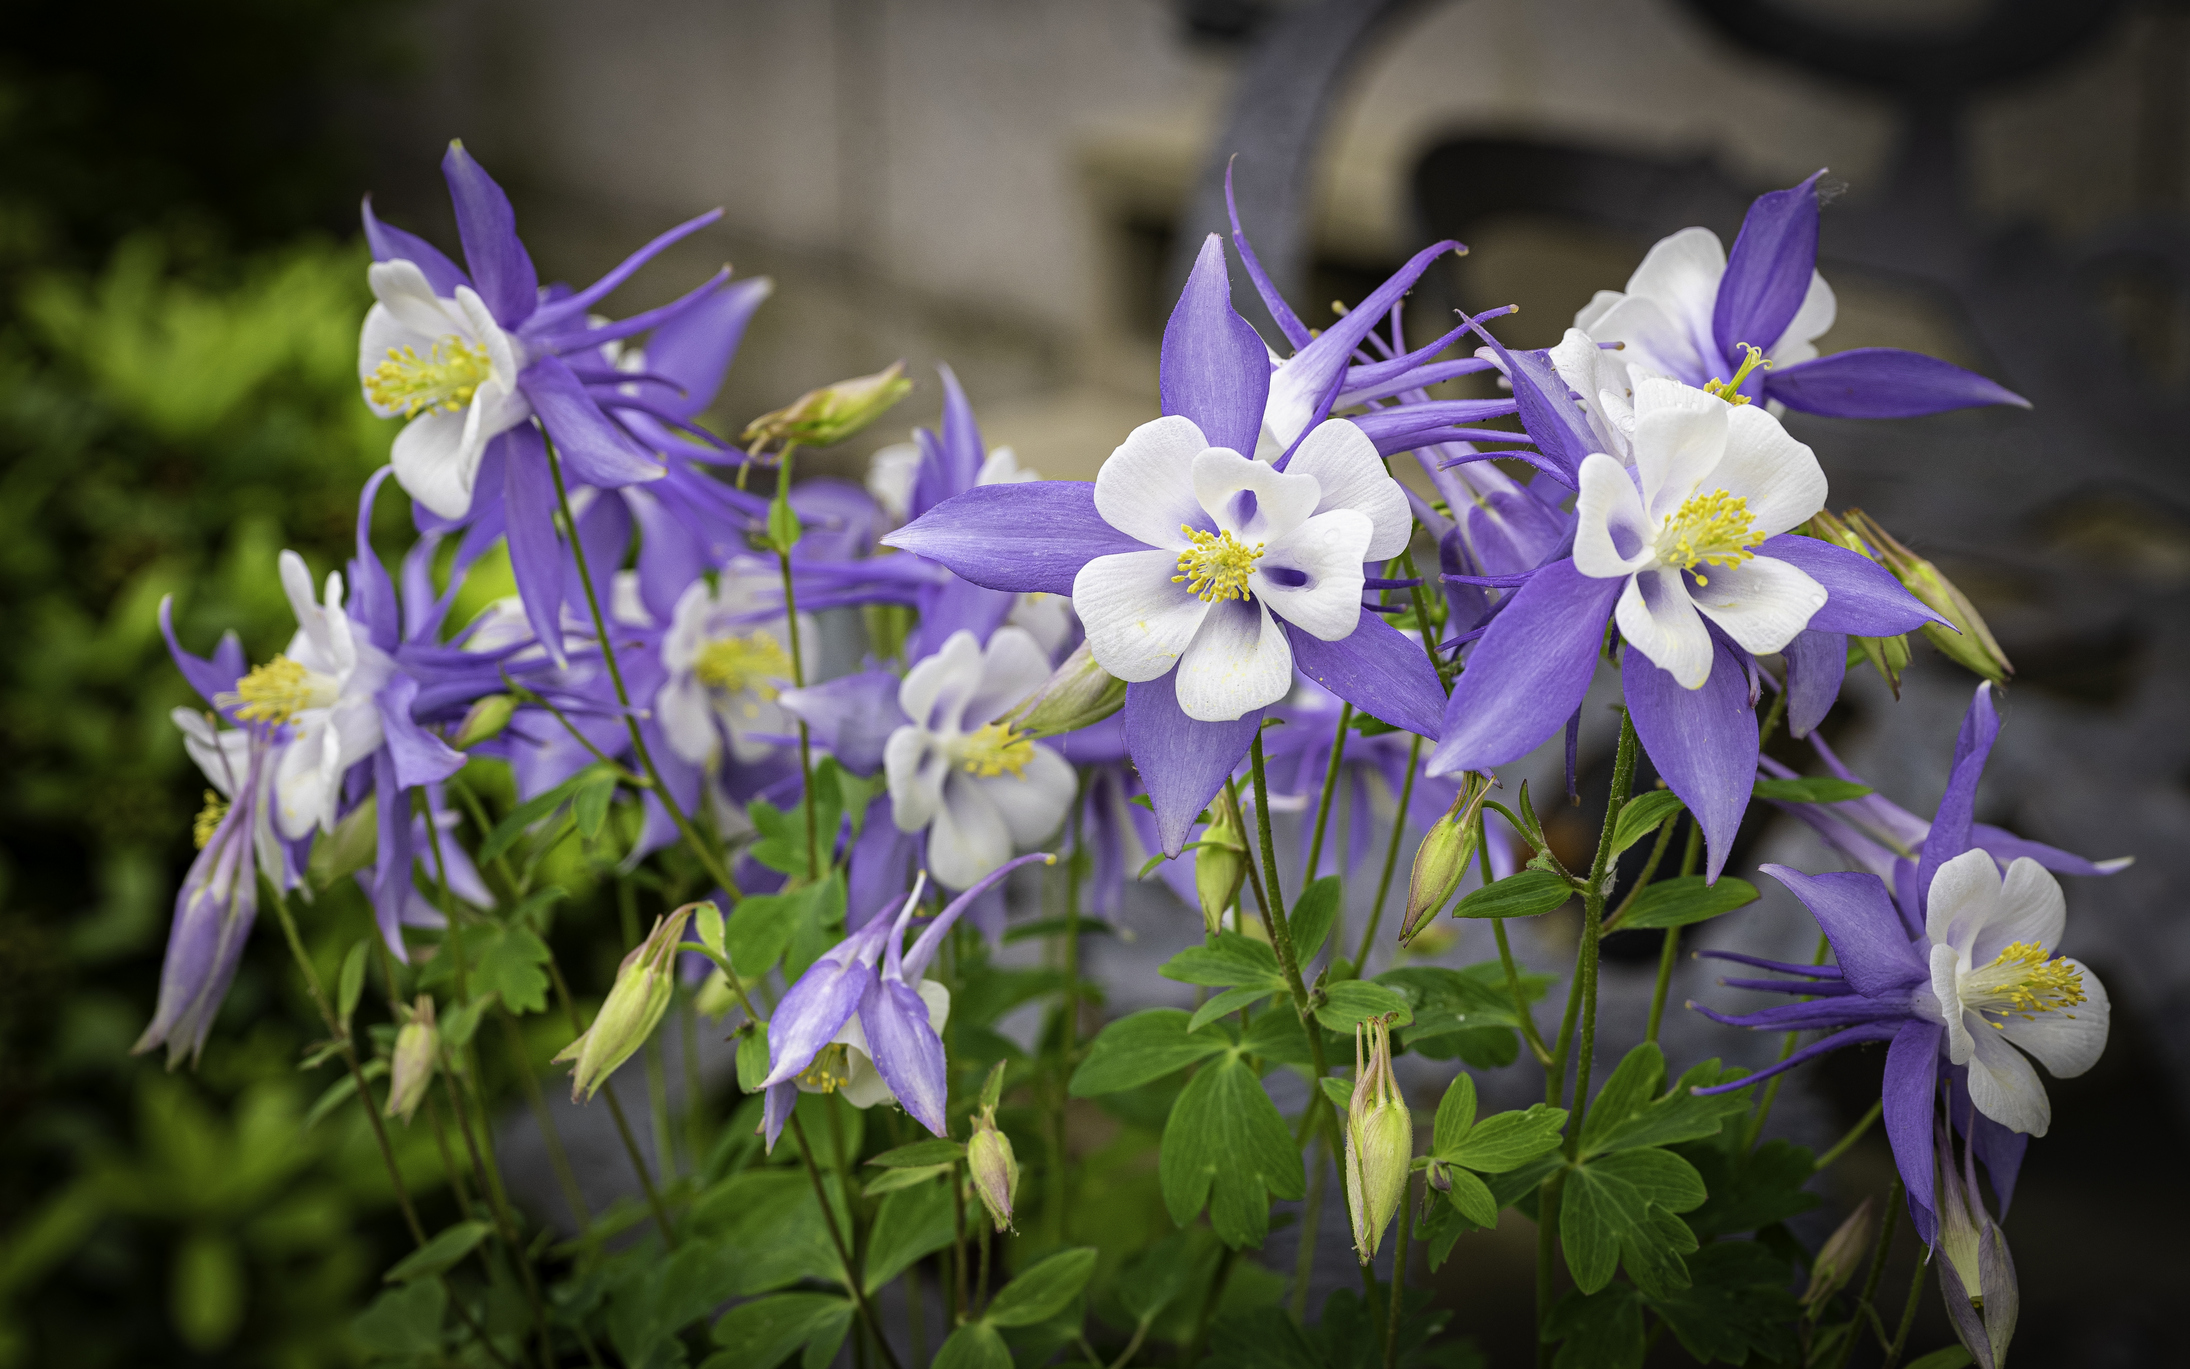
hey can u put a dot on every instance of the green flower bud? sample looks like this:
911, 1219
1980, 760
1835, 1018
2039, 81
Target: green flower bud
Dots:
349, 848
1220, 867
1079, 694
645, 983
1889, 656
1842, 1252
1379, 1140
417, 1049
995, 1170
1973, 647
824, 417
486, 719
1442, 860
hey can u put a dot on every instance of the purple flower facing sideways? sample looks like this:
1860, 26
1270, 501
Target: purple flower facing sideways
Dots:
844, 1013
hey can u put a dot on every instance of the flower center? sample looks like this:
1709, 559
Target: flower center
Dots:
1709, 529
209, 819
995, 750
445, 378
831, 1070
737, 664
2021, 982
279, 690
1215, 567
1730, 390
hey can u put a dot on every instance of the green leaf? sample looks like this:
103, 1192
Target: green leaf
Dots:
1455, 1115
349, 848
1749, 1189
404, 1321
1153, 1279
350, 986
439, 1253
817, 923
1680, 901
974, 1346
935, 1151
207, 1291
1470, 1196
765, 1332
753, 1058
1229, 959
1277, 1038
768, 1222
589, 802
341, 1091
1143, 1048
1354, 1001
1314, 913
891, 1180
759, 928
1953, 1357
1598, 1331
511, 829
1609, 1209
1339, 1091
782, 844
1675, 1116
1447, 1001
510, 966
1737, 1308
1042, 1290
1229, 1001
910, 1223
1626, 1091
1641, 815
1225, 1144
1531, 893
1812, 789
1508, 1140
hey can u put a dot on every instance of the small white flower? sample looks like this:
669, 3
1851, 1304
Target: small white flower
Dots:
1711, 481
1664, 316
1048, 617
979, 788
728, 658
1235, 545
447, 366
1999, 986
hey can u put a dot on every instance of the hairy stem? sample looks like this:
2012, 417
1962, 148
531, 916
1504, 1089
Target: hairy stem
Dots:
1593, 900
843, 1251
1391, 856
1399, 1275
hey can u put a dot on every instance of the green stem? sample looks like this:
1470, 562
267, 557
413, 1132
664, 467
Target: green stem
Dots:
1879, 1248
1547, 1228
843, 1252
1311, 1221
695, 1115
1593, 900
1521, 1008
798, 669
957, 1281
1854, 1134
1330, 789
616, 1110
1391, 856
1209, 1305
1908, 1316
565, 1177
1272, 902
1772, 716
1666, 958
1399, 1275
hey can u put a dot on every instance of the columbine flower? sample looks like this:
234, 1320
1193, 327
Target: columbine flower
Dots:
1239, 569
1691, 312
975, 784
645, 982
728, 654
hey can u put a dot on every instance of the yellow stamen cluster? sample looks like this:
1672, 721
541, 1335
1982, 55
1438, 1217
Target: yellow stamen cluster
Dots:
278, 691
737, 664
1709, 529
2022, 982
831, 1070
1730, 390
445, 378
1216, 566
208, 819
996, 750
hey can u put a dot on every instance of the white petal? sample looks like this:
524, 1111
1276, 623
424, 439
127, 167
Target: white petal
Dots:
1779, 476
503, 356
915, 768
1251, 499
2030, 909
2067, 1042
1680, 436
969, 837
1138, 622
1351, 475
938, 998
1238, 662
1819, 309
1681, 274
1146, 488
863, 1085
296, 585
935, 690
1651, 338
1964, 898
302, 785
401, 289
2004, 1086
1600, 378
1657, 619
1946, 988
355, 725
1324, 556
1013, 666
686, 721
1612, 534
431, 464
1034, 801
1761, 603
383, 334
1600, 304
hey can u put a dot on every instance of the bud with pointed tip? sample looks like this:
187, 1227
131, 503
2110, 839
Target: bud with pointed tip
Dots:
1889, 656
824, 417
988, 1156
1220, 867
1972, 645
486, 719
1976, 1273
1379, 1140
417, 1048
645, 983
1843, 1250
1442, 860
1077, 694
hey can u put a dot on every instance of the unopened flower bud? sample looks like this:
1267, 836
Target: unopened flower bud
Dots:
1220, 867
486, 719
1441, 861
417, 1048
1077, 694
1379, 1140
645, 983
1837, 1259
1976, 1273
1889, 656
995, 1170
824, 417
1972, 645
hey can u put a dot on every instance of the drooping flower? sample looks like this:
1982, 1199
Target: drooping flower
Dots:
728, 658
645, 983
1691, 310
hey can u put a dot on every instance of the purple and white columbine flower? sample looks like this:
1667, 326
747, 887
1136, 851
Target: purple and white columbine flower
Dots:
728, 657
326, 686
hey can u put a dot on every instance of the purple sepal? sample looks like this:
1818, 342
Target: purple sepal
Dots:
1547, 411
487, 226
1768, 272
1862, 597
1529, 671
1850, 1036
882, 860
1883, 382
696, 347
1287, 321
1817, 663
951, 459
906, 1051
775, 1113
1911, 1082
388, 243
1320, 367
1028, 537
603, 534
392, 855
1379, 670
566, 306
419, 756
594, 451
852, 716
1950, 824
211, 678
815, 1009
535, 551
1856, 915
1215, 369
1703, 741
1183, 763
